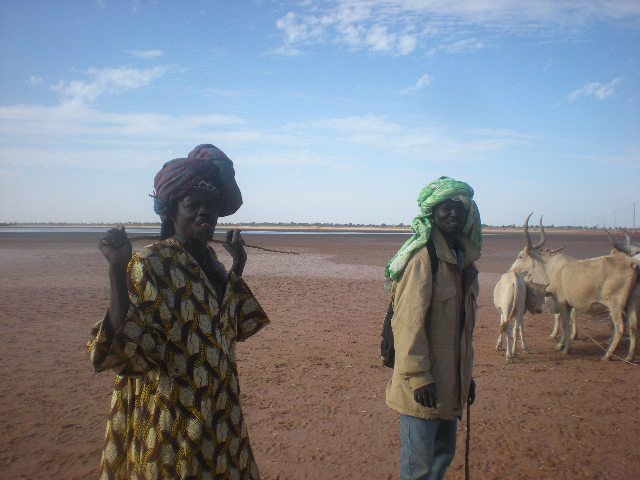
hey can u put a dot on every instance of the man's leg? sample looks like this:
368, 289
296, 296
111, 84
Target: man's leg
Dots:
418, 441
445, 448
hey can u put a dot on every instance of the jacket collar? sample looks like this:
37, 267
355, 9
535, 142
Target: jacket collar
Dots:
471, 252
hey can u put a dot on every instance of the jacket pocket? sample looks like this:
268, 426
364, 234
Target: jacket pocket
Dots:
442, 325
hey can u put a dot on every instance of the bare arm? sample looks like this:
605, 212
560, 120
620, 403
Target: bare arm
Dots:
116, 248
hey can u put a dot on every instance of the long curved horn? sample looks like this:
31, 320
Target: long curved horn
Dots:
557, 250
526, 231
617, 245
543, 236
633, 250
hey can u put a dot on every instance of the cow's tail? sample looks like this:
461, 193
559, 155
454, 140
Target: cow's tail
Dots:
519, 290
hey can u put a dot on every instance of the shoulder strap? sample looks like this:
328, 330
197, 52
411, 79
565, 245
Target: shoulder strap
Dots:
433, 255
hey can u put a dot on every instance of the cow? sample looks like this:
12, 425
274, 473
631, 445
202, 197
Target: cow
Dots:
551, 306
625, 247
512, 297
595, 285
631, 251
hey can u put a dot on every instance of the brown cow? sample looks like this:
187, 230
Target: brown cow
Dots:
595, 285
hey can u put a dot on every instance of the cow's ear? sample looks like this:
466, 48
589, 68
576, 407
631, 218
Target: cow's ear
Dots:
526, 250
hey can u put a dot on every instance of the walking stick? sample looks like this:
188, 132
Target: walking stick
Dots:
157, 237
467, 444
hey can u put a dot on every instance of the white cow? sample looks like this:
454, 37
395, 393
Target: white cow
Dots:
551, 306
595, 285
512, 296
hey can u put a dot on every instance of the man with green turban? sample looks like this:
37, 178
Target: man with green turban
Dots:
434, 285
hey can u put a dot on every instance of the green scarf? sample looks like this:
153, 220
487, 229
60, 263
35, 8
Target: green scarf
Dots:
444, 188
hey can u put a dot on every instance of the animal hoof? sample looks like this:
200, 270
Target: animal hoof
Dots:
629, 358
560, 347
606, 358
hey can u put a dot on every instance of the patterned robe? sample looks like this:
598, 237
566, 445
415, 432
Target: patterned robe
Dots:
175, 410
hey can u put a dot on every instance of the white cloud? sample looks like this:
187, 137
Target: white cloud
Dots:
35, 81
424, 81
379, 39
145, 53
285, 51
71, 119
597, 90
299, 29
75, 134
459, 46
407, 44
406, 141
107, 80
304, 158
402, 27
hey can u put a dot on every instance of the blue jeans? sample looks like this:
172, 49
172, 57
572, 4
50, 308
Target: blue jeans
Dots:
428, 447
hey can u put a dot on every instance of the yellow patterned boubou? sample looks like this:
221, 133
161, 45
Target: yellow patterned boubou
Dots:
175, 411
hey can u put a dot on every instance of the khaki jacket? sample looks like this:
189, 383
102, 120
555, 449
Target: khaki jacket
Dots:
433, 343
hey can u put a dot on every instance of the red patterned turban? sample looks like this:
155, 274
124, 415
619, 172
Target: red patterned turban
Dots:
206, 165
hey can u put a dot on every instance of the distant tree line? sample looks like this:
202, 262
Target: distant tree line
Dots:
291, 224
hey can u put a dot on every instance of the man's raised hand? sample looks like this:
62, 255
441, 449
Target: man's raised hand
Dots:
235, 248
116, 248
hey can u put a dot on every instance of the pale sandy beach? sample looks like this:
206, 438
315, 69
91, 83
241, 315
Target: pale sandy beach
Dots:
312, 382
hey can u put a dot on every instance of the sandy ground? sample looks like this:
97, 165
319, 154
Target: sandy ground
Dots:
312, 382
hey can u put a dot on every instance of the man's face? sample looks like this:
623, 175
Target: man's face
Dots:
196, 216
449, 216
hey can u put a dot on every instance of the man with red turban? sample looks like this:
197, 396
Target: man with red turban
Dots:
169, 334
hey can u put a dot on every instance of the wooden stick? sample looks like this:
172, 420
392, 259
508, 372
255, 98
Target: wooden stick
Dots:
157, 237
613, 354
467, 445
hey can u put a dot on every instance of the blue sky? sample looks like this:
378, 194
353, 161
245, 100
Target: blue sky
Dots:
336, 111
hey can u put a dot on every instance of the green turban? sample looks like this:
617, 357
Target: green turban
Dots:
444, 188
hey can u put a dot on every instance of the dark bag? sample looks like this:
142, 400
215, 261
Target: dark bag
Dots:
387, 350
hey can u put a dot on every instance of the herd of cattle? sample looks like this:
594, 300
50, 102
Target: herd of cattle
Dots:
608, 284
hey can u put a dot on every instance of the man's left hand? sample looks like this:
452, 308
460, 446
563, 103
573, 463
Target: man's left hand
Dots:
472, 392
235, 248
